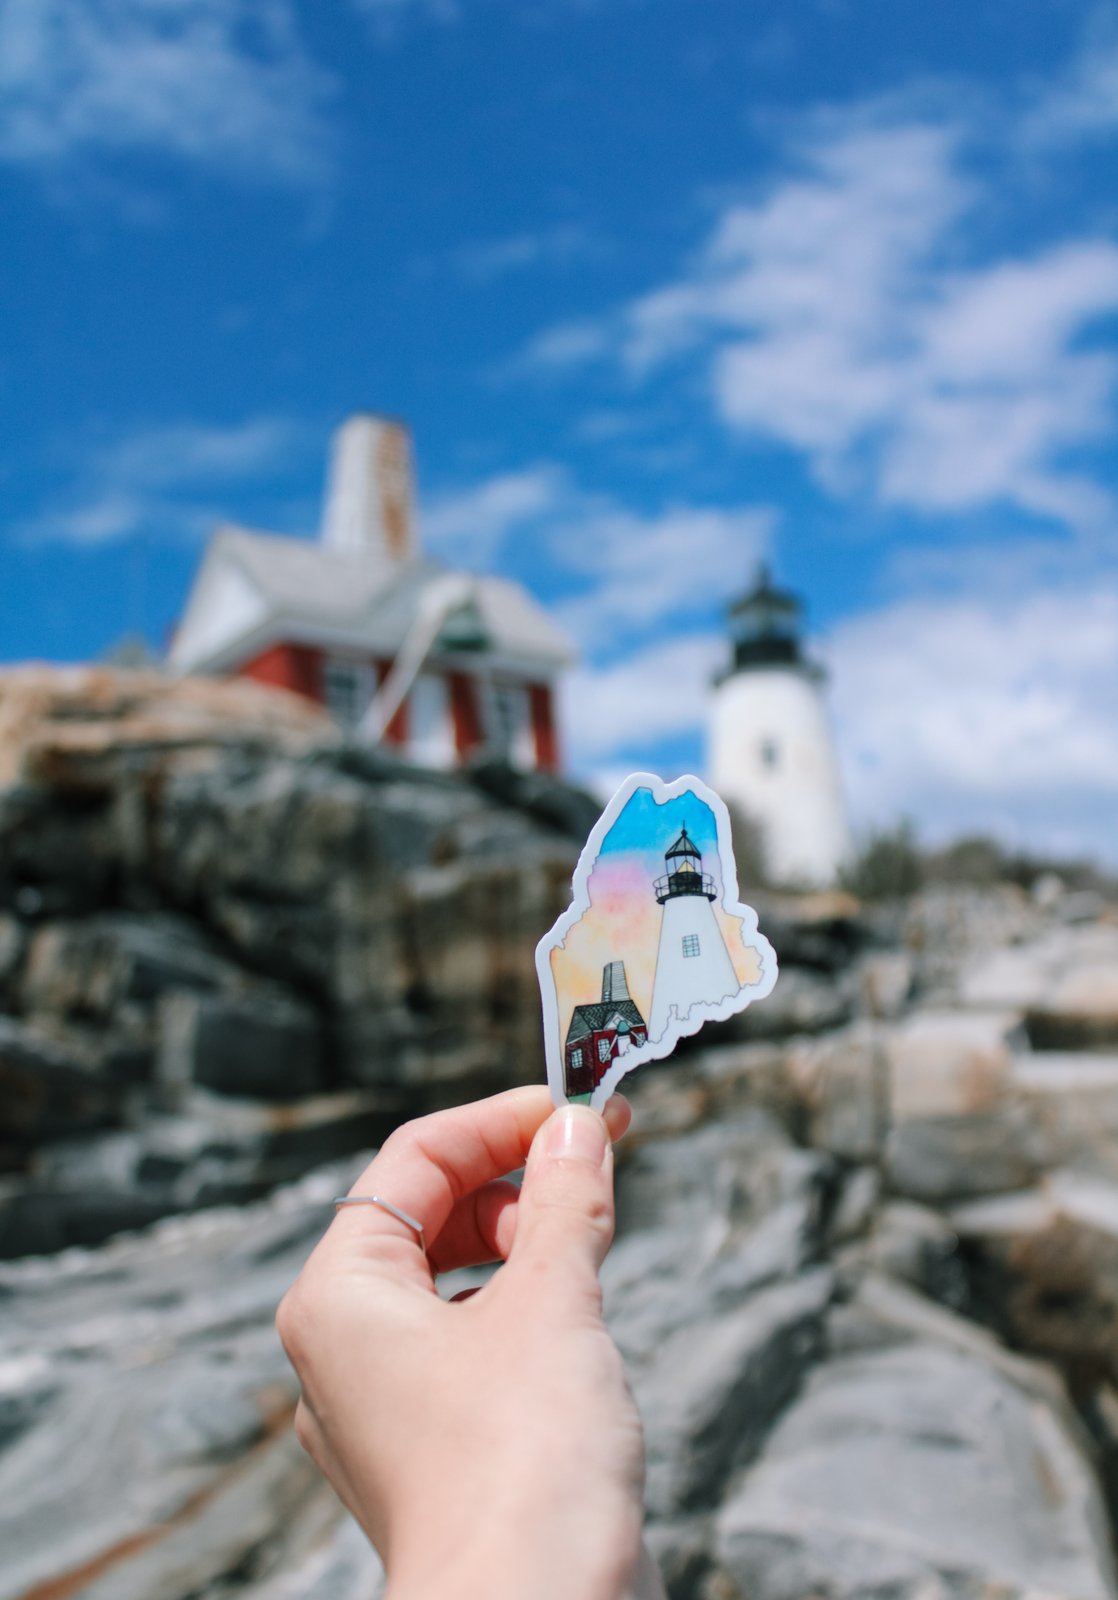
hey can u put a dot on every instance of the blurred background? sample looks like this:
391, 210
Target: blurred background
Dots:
417, 414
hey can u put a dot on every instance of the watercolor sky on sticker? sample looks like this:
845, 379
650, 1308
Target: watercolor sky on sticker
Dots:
623, 922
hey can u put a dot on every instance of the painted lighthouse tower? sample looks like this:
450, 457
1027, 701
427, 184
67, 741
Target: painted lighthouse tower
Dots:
772, 754
693, 965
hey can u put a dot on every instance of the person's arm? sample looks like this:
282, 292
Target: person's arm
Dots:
491, 1449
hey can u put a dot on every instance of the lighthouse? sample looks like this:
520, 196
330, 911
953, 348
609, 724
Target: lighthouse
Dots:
693, 965
772, 754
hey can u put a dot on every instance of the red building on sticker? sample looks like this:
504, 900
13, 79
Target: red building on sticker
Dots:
601, 1032
397, 647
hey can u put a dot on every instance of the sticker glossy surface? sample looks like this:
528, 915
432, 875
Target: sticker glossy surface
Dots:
655, 942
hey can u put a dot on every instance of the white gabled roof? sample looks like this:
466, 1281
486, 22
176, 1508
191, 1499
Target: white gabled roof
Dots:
257, 589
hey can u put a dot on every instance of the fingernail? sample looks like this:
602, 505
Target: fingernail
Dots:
579, 1134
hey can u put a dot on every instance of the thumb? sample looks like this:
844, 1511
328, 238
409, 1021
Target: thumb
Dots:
564, 1220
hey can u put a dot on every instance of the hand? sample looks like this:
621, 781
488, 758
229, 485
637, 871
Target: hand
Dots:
489, 1448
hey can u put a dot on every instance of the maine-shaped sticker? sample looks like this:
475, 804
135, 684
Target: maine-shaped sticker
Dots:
655, 942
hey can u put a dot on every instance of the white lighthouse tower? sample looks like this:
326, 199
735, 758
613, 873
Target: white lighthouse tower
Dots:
772, 755
693, 965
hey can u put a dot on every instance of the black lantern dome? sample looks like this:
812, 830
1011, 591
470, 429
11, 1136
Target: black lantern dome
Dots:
766, 628
685, 873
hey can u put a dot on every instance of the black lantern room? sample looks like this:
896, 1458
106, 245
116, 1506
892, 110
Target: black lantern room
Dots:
766, 627
685, 873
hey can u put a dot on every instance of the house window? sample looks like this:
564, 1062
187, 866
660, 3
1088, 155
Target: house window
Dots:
770, 753
576, 1059
690, 944
508, 724
430, 725
603, 1049
347, 688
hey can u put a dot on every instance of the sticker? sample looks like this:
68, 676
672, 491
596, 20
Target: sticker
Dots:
654, 943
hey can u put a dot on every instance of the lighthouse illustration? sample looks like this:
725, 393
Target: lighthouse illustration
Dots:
771, 750
651, 932
693, 965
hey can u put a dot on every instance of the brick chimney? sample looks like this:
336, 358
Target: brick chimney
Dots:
369, 501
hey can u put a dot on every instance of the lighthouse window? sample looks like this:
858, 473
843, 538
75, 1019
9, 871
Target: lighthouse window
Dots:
603, 1049
770, 753
690, 944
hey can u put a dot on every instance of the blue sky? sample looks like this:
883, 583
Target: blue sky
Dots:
661, 286
646, 828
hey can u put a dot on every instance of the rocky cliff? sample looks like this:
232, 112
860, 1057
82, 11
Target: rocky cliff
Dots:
866, 1274
232, 946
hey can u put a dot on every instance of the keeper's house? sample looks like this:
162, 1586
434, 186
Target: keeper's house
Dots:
398, 648
601, 1032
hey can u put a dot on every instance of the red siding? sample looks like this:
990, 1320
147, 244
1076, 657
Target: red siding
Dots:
288, 666
464, 709
543, 727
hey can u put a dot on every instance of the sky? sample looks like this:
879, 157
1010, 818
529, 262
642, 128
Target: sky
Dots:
662, 287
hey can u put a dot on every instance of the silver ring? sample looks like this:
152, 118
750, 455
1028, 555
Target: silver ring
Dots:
385, 1205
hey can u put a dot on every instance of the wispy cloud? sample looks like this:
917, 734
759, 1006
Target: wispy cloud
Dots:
485, 260
989, 712
640, 573
837, 314
221, 84
625, 574
1081, 102
627, 708
471, 523
164, 481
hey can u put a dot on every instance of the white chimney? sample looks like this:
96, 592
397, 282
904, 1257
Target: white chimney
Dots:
368, 508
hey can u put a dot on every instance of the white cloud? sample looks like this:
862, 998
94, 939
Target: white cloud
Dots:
633, 572
487, 259
1081, 102
627, 708
833, 315
223, 84
158, 480
569, 344
648, 571
837, 325
993, 713
472, 523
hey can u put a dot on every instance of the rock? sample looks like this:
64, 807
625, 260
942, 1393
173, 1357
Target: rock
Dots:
843, 1083
1066, 982
92, 966
213, 1151
13, 942
570, 811
716, 1385
802, 1002
821, 931
748, 1076
915, 1245
1044, 1267
262, 1045
954, 1131
916, 1469
947, 1063
1071, 1103
950, 928
856, 1205
885, 981
213, 888
48, 1089
154, 1454
944, 1159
